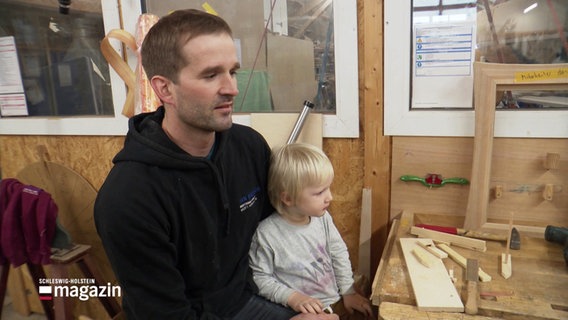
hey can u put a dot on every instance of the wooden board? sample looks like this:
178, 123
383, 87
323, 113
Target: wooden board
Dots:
460, 241
517, 166
432, 286
395, 311
291, 72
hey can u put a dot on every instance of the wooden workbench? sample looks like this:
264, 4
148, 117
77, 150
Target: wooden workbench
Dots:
538, 288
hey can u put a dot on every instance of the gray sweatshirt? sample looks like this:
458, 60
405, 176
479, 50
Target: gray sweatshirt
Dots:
312, 259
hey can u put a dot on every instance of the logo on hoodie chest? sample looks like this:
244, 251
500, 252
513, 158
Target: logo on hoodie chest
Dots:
249, 200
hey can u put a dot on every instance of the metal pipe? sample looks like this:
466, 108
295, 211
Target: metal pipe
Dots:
308, 106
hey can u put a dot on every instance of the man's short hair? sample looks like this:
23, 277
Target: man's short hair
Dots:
162, 46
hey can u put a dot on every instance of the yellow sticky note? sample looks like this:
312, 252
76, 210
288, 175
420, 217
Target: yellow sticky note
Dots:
209, 9
541, 75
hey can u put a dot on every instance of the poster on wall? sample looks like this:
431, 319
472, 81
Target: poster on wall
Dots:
12, 97
443, 65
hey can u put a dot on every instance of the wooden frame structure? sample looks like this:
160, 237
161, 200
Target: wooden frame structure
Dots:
489, 78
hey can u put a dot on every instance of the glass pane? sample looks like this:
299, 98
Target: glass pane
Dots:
506, 31
281, 67
518, 99
62, 69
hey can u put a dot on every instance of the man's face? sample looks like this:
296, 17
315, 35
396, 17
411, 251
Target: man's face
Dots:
207, 86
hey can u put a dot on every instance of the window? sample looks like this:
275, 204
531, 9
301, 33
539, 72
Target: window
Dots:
323, 63
339, 92
65, 79
418, 103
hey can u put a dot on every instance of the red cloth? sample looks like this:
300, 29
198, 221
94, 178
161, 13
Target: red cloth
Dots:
27, 223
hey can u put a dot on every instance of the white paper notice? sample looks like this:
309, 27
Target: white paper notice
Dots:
12, 97
443, 66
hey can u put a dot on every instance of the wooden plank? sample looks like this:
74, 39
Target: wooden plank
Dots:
377, 146
430, 247
365, 234
424, 257
432, 285
381, 269
464, 242
395, 311
478, 199
462, 261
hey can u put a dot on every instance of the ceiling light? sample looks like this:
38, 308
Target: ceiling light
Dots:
529, 8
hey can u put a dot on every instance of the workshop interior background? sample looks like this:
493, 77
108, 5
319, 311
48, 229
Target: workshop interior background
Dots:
373, 160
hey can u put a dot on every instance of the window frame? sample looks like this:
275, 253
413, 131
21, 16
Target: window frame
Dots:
343, 124
401, 121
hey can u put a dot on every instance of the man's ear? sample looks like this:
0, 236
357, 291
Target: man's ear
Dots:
286, 199
162, 88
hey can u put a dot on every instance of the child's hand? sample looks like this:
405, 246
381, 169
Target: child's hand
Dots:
358, 302
304, 304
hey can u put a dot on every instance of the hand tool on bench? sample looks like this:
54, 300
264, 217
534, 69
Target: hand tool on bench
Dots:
515, 242
472, 292
464, 232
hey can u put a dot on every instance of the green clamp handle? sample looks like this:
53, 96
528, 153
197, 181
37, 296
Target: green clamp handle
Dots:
434, 180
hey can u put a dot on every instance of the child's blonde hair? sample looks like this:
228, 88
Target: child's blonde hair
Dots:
295, 167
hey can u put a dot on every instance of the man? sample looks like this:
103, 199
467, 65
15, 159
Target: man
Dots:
177, 212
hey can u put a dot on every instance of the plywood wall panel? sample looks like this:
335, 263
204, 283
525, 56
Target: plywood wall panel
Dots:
517, 166
419, 156
346, 156
89, 156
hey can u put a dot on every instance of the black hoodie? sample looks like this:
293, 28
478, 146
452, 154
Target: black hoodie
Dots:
177, 228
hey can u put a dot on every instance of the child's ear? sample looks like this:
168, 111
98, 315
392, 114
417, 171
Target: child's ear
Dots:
286, 198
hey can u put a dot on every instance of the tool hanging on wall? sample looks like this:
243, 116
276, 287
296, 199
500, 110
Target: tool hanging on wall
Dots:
434, 180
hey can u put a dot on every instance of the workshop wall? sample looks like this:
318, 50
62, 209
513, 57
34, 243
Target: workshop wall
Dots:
518, 170
91, 158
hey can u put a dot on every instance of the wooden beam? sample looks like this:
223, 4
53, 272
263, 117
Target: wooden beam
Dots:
464, 242
377, 147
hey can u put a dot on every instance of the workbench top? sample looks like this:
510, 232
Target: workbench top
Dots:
537, 289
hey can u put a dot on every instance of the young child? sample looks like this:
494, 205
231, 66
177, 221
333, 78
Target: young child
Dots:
297, 255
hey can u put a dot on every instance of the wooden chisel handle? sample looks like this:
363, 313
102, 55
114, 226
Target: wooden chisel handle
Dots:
484, 235
471, 302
